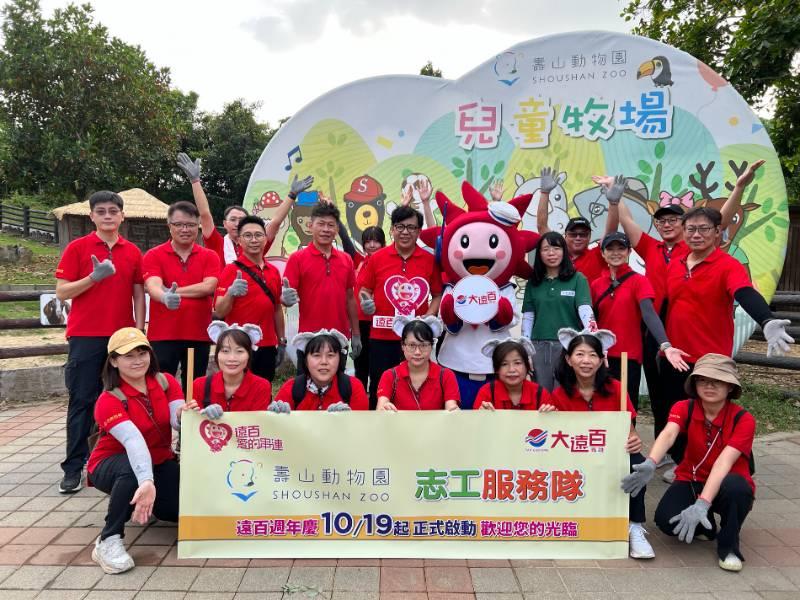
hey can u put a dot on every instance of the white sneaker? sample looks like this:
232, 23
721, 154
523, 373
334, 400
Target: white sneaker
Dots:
669, 475
111, 555
665, 462
731, 563
638, 544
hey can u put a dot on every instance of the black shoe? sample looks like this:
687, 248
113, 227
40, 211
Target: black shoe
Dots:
70, 484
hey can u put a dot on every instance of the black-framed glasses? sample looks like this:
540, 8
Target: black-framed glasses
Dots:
185, 225
701, 229
422, 346
401, 227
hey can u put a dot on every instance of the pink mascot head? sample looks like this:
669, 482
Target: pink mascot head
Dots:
485, 239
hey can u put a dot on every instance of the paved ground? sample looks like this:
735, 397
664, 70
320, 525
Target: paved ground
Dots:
45, 547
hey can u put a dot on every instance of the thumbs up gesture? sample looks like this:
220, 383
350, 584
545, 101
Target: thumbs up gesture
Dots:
238, 288
170, 297
367, 303
289, 295
101, 270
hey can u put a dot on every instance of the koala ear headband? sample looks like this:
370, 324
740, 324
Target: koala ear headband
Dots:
604, 336
217, 328
435, 323
300, 341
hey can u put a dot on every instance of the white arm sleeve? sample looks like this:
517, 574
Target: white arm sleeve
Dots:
586, 314
173, 413
136, 448
527, 324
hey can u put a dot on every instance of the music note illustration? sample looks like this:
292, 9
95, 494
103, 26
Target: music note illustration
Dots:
298, 159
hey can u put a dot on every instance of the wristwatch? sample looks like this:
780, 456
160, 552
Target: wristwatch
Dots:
665, 346
282, 341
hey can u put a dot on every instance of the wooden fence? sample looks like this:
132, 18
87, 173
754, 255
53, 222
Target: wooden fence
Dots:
31, 223
790, 278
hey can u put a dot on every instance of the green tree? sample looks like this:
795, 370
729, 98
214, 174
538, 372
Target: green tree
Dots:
83, 110
752, 43
430, 70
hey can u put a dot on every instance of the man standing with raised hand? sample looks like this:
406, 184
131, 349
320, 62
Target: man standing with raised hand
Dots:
102, 274
181, 313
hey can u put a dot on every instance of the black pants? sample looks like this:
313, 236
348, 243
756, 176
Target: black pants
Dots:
653, 377
733, 502
362, 362
115, 477
384, 355
636, 512
672, 382
85, 361
264, 362
634, 376
171, 353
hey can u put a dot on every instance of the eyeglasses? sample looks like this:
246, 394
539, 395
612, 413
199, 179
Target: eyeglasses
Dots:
401, 227
578, 234
423, 347
667, 220
258, 235
102, 212
708, 382
185, 225
701, 229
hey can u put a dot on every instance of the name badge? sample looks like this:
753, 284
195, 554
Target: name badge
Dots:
383, 321
567, 292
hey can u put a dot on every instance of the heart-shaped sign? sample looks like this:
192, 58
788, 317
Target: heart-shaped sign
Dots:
216, 435
406, 295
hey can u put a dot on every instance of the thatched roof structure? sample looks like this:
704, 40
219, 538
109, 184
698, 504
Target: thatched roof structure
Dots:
138, 205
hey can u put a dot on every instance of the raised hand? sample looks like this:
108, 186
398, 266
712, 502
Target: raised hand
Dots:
170, 298
300, 186
496, 191
746, 178
548, 180
289, 295
238, 287
192, 169
425, 190
101, 270
614, 192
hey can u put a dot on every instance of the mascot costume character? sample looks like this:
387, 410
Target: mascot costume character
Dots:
483, 240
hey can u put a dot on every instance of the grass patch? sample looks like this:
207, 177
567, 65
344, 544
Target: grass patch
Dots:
38, 248
19, 310
771, 409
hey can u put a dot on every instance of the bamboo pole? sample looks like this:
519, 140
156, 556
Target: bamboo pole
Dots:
189, 374
623, 382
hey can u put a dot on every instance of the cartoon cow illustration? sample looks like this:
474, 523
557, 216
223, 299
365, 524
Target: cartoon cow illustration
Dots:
241, 479
558, 217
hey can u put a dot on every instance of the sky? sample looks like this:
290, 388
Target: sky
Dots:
284, 54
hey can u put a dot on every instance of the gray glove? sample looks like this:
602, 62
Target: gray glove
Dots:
614, 193
642, 473
192, 169
689, 518
367, 305
170, 298
297, 187
339, 407
238, 287
280, 356
289, 295
212, 411
777, 339
279, 407
356, 346
101, 270
548, 182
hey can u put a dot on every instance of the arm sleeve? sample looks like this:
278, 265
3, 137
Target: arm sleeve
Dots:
173, 414
754, 304
347, 243
527, 324
450, 385
131, 438
585, 314
651, 320
582, 293
679, 414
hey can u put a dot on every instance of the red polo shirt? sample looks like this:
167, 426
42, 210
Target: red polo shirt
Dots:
108, 304
388, 271
600, 402
255, 306
149, 413
701, 437
619, 311
657, 256
591, 263
358, 398
323, 285
216, 243
254, 393
439, 386
700, 303
190, 321
533, 396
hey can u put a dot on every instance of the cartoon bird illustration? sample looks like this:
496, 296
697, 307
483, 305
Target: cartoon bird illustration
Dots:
658, 69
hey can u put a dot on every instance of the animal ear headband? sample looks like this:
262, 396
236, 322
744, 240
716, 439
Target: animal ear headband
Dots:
488, 347
300, 341
604, 336
434, 323
217, 328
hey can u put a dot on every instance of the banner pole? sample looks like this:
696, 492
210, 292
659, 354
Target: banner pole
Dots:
623, 381
189, 374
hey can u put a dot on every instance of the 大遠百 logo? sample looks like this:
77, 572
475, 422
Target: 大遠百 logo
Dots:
536, 438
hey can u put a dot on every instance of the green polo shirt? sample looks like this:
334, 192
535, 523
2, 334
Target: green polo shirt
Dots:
555, 305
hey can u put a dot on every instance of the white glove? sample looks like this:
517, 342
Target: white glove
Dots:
777, 339
339, 407
289, 295
279, 407
212, 411
170, 298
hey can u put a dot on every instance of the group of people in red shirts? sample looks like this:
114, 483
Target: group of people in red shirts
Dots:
124, 381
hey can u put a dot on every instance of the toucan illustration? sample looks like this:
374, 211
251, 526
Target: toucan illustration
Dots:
658, 70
